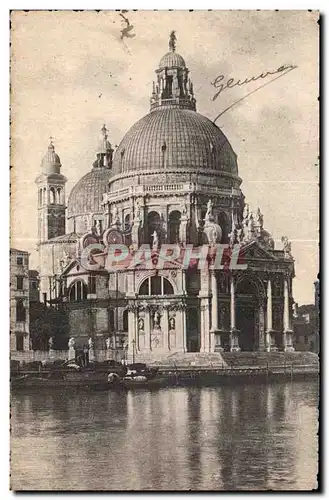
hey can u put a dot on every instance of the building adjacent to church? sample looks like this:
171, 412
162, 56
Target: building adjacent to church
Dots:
173, 179
19, 300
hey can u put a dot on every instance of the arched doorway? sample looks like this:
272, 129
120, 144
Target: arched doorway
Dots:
249, 314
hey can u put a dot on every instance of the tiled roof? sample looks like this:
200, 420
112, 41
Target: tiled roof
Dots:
174, 138
15, 250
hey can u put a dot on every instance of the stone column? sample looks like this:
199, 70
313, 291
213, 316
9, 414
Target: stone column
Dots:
287, 331
147, 324
132, 340
214, 313
269, 311
165, 328
184, 327
234, 340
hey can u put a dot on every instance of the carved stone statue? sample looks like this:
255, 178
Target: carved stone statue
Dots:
239, 235
90, 343
156, 319
155, 242
286, 246
246, 212
71, 343
209, 210
259, 218
50, 343
98, 227
251, 226
141, 324
108, 343
172, 324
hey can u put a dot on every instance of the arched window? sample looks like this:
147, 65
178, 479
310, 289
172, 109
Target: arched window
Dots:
52, 196
20, 311
174, 224
125, 320
59, 196
127, 229
78, 291
45, 200
156, 285
154, 224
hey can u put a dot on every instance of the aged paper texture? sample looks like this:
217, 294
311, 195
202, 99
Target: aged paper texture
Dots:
164, 330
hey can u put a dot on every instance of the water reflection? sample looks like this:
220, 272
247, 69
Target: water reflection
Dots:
248, 437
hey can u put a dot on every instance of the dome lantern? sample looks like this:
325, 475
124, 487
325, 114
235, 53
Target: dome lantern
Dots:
173, 87
104, 152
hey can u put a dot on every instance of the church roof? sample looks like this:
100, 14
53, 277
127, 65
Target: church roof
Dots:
174, 138
86, 196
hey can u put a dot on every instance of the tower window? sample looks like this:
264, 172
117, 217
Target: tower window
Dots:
52, 196
19, 260
20, 311
19, 282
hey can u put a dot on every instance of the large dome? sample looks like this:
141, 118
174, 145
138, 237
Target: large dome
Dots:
175, 138
86, 196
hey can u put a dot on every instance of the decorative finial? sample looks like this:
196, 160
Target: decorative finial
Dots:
104, 131
172, 41
51, 144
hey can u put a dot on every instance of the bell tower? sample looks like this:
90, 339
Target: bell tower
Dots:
51, 197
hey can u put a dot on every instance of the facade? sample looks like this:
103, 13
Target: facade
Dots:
19, 300
306, 324
172, 180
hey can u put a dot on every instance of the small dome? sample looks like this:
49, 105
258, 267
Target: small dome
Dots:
51, 163
172, 60
86, 196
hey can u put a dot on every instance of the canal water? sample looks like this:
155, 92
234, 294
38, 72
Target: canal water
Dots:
253, 437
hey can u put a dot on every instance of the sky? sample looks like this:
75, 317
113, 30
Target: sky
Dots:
71, 73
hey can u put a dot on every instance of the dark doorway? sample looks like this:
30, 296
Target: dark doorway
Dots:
245, 322
192, 330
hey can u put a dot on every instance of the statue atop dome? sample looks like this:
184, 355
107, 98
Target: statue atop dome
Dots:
172, 41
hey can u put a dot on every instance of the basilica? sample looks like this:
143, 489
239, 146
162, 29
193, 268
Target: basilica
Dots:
173, 179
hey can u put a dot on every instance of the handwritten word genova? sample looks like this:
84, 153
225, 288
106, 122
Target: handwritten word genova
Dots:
220, 83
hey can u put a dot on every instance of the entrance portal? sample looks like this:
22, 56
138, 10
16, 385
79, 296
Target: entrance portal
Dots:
192, 330
245, 322
248, 320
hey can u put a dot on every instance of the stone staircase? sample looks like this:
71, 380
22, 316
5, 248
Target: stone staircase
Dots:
263, 359
181, 359
227, 359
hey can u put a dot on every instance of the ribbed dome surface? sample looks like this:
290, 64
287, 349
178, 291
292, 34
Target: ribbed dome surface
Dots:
86, 196
174, 138
51, 162
172, 60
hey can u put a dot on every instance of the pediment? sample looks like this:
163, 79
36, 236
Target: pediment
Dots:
255, 251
